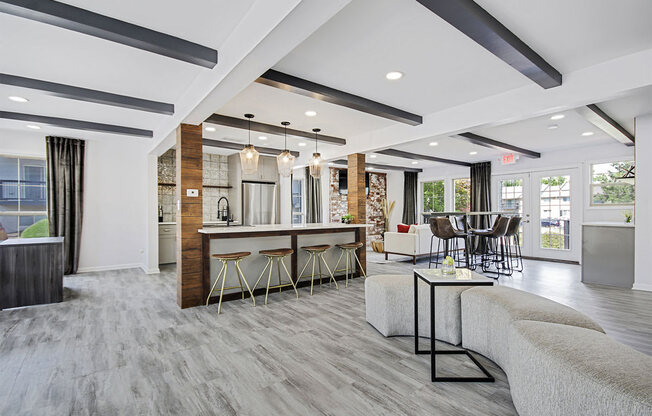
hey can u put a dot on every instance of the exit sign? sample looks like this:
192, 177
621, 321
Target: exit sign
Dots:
509, 159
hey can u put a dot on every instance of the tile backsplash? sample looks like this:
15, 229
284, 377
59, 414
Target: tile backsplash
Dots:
215, 172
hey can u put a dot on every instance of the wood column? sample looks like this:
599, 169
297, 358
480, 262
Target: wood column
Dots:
357, 200
189, 216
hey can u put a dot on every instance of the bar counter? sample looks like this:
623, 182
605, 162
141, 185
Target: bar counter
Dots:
264, 237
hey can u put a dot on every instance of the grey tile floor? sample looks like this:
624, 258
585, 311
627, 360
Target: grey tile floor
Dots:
119, 345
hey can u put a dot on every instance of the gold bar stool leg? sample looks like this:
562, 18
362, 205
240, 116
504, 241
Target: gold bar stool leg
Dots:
237, 267
329, 271
338, 261
262, 273
269, 279
278, 270
290, 277
359, 264
219, 305
312, 278
215, 284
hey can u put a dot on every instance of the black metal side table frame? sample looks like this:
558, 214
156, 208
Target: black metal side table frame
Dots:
433, 352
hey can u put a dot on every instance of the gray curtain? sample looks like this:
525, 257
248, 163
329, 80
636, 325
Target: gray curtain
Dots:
409, 198
313, 198
65, 164
480, 198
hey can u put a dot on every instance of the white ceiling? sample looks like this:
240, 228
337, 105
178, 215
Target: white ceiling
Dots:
37, 50
579, 33
623, 109
441, 66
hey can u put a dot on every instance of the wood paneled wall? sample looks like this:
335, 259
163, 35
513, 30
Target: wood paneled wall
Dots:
189, 216
357, 199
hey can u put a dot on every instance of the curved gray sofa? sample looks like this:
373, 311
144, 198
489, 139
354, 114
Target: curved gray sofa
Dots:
566, 370
558, 361
488, 312
389, 303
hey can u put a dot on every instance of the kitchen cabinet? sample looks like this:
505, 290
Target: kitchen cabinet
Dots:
167, 243
267, 170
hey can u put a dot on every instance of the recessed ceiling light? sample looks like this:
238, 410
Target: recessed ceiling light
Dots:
557, 117
372, 156
33, 127
302, 144
394, 75
18, 99
370, 168
433, 144
310, 113
553, 127
210, 129
262, 137
588, 133
415, 163
330, 163
473, 153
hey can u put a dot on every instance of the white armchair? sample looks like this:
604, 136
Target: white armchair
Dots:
414, 243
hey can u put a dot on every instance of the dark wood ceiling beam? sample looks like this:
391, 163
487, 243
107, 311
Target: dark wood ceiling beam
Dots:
476, 23
416, 156
240, 123
495, 144
594, 115
84, 21
77, 124
239, 146
323, 93
88, 95
379, 166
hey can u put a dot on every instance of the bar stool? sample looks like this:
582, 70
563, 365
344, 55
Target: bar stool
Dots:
350, 250
316, 254
277, 254
496, 237
511, 235
225, 258
442, 228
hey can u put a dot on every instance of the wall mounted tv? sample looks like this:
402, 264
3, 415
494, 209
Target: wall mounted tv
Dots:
344, 184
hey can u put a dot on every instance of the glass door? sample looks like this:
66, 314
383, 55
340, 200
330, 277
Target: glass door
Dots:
557, 204
512, 195
298, 214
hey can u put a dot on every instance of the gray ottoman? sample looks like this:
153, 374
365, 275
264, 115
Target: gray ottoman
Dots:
389, 301
487, 313
565, 370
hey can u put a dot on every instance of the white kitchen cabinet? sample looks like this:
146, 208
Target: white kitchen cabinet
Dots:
167, 243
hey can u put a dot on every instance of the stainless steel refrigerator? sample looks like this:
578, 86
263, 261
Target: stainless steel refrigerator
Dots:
260, 203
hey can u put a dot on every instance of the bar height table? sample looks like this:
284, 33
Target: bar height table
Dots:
434, 278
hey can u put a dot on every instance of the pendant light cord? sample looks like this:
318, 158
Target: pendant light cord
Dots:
286, 137
249, 132
316, 142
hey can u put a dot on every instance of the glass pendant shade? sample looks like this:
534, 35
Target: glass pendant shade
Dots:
249, 159
285, 162
249, 155
316, 163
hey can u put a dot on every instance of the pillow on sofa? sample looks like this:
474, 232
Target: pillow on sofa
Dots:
403, 228
413, 229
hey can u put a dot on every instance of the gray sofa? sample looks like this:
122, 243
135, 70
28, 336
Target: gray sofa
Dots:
558, 361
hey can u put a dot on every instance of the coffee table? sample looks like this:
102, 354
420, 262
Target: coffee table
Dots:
434, 278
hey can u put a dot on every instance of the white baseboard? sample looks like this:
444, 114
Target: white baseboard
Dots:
153, 270
641, 286
112, 267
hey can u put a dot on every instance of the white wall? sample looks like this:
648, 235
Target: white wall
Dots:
643, 243
114, 225
395, 193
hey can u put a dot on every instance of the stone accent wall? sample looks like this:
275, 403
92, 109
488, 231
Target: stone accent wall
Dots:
215, 173
375, 199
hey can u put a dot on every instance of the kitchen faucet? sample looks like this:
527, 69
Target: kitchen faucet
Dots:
228, 210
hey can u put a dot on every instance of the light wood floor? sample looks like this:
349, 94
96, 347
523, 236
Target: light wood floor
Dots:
120, 345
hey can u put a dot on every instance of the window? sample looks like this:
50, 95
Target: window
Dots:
555, 212
297, 201
433, 196
612, 183
462, 194
23, 211
511, 200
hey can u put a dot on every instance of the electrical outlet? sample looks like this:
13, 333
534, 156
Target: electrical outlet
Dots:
192, 192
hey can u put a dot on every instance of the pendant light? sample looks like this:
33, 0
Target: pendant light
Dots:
316, 160
285, 160
249, 155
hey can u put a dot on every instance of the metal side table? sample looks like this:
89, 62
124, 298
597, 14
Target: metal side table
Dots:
434, 278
